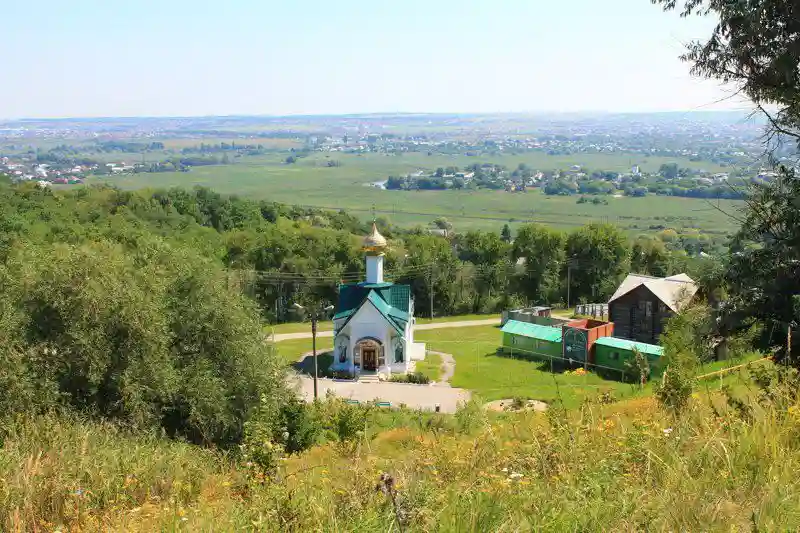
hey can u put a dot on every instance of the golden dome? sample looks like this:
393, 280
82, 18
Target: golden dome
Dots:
374, 242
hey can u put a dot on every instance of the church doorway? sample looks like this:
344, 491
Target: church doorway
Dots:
370, 359
369, 350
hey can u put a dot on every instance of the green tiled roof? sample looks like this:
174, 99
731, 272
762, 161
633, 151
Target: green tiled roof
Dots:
396, 317
351, 296
344, 314
392, 301
625, 344
534, 331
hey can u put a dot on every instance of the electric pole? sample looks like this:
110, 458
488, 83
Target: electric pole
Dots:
430, 287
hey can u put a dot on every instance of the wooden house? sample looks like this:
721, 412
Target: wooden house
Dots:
642, 304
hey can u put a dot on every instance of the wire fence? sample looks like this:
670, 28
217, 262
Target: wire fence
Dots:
557, 364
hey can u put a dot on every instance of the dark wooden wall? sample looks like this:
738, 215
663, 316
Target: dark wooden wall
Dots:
639, 316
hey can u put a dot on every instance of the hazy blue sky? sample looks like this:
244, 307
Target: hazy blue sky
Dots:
189, 57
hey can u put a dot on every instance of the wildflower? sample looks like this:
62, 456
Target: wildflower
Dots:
184, 519
504, 470
667, 431
515, 475
226, 483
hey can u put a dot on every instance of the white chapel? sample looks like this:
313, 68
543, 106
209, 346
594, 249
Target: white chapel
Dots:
374, 321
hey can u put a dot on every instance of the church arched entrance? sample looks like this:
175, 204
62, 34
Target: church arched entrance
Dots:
370, 353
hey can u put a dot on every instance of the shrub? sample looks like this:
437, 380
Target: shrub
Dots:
154, 338
470, 416
674, 389
341, 374
342, 421
417, 377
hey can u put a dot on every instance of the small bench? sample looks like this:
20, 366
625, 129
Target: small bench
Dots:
383, 404
352, 402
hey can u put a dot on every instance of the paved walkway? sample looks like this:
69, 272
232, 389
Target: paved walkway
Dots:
414, 396
419, 327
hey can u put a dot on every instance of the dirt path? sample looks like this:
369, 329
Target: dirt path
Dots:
448, 368
420, 327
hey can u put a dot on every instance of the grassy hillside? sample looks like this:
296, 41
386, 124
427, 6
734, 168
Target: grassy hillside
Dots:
310, 182
623, 467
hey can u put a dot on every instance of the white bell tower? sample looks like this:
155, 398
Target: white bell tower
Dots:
374, 247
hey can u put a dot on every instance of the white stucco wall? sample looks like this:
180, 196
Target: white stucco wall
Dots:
374, 269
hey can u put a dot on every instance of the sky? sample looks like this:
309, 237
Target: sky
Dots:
91, 58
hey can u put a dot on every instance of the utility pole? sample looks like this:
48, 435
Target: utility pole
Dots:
314, 351
569, 269
315, 313
430, 287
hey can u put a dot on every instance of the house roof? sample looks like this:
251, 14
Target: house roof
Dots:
392, 301
625, 344
533, 331
674, 291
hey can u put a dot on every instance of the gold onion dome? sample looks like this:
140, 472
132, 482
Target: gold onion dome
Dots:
374, 242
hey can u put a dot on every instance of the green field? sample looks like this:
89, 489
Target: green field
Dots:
309, 182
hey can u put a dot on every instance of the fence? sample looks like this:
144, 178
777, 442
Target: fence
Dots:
592, 310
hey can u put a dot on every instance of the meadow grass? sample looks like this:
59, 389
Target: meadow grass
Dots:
310, 182
623, 467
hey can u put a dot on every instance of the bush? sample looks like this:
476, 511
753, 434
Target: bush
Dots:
341, 374
153, 337
417, 377
470, 416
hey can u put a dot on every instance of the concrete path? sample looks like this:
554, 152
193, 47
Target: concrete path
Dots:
414, 396
448, 368
419, 327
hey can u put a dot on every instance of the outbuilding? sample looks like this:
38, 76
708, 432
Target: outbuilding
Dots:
524, 339
617, 354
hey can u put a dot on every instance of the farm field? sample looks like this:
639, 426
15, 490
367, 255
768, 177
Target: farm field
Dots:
310, 182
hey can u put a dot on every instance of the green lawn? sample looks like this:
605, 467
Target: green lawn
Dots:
494, 377
291, 351
310, 182
431, 366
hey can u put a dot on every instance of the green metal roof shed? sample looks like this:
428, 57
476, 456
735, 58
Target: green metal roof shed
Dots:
523, 339
533, 331
625, 344
612, 353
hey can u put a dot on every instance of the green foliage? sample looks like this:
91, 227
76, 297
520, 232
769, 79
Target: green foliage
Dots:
686, 345
155, 338
416, 377
600, 256
766, 30
639, 367
471, 416
675, 389
764, 271
544, 252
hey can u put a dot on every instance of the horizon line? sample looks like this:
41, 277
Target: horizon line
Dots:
382, 114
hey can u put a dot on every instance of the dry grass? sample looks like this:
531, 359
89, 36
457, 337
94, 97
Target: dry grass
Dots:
620, 467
